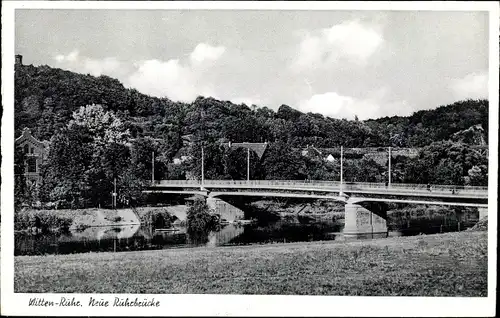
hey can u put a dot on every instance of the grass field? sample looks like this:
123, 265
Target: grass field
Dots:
452, 264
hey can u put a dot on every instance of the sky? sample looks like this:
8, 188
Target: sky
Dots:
341, 64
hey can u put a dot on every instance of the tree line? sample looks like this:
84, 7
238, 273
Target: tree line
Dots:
46, 97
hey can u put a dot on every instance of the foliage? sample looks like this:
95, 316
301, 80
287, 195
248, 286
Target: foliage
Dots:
364, 170
158, 218
41, 221
104, 126
20, 186
445, 162
281, 163
45, 99
200, 221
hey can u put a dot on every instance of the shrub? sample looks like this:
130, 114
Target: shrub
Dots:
200, 221
44, 221
158, 217
81, 227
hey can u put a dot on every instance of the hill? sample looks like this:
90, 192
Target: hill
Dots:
46, 97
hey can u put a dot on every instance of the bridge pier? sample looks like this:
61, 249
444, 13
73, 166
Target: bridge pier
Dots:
483, 212
225, 210
361, 222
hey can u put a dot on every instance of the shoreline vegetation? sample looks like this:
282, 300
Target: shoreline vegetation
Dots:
450, 264
44, 221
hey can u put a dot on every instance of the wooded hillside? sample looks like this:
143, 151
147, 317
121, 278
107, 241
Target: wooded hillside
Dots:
46, 97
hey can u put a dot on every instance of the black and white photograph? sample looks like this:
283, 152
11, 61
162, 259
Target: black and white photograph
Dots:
202, 158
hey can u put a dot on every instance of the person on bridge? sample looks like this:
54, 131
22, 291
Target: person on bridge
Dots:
429, 187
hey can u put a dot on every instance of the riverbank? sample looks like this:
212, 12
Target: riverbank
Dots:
451, 264
29, 219
62, 220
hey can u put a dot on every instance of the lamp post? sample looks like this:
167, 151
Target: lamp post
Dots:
248, 164
114, 195
341, 169
202, 166
389, 181
153, 167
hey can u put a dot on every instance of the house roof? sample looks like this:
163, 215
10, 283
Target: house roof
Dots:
183, 151
306, 150
26, 135
187, 137
258, 147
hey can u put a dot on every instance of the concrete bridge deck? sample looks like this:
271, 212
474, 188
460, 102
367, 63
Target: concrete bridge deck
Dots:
395, 189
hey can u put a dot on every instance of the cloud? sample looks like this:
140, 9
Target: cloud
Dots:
171, 78
338, 106
71, 57
205, 52
474, 85
176, 80
96, 67
350, 41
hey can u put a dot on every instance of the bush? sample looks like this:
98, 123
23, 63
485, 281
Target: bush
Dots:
44, 221
81, 227
158, 217
200, 221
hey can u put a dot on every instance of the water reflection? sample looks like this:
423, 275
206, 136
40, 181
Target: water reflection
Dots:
105, 232
226, 235
140, 237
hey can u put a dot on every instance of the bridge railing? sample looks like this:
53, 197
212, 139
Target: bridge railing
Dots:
418, 187
327, 184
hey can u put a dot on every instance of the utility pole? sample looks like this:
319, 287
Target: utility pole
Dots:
153, 167
389, 183
341, 168
202, 165
248, 164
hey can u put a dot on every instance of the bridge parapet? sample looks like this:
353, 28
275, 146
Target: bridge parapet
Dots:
347, 186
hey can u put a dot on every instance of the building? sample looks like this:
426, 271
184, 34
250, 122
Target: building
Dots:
259, 147
35, 152
183, 153
330, 158
181, 156
310, 151
19, 59
313, 152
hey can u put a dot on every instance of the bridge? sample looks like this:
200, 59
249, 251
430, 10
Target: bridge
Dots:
365, 203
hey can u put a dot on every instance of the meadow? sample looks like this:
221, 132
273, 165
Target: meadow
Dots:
450, 264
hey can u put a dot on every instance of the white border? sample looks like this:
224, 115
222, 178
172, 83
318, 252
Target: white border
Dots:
198, 305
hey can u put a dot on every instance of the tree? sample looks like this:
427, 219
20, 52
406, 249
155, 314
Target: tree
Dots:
235, 163
103, 125
65, 170
20, 190
213, 154
282, 163
364, 170
477, 176
114, 159
200, 221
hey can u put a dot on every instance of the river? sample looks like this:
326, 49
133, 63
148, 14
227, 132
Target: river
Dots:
140, 237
